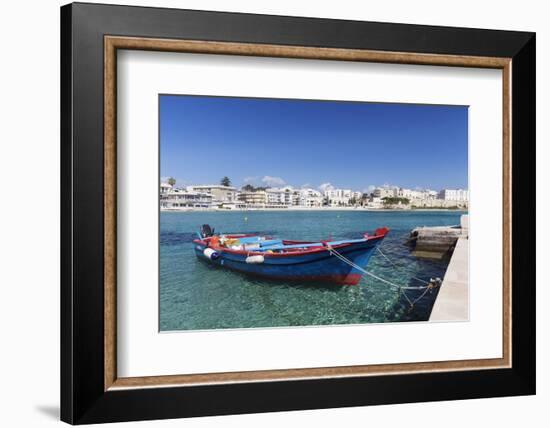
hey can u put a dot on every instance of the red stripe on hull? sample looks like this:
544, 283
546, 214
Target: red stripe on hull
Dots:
350, 279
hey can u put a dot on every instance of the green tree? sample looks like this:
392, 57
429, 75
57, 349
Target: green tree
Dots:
225, 181
171, 181
395, 200
248, 188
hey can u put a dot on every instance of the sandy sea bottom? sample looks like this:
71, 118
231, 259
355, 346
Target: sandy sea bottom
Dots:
197, 296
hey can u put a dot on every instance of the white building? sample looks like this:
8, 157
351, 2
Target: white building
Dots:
401, 192
275, 196
338, 197
165, 188
254, 199
177, 199
310, 198
219, 193
373, 202
458, 195
384, 192
292, 196
284, 196
430, 194
409, 193
418, 194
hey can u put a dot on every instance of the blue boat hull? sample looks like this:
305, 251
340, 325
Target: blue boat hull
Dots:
321, 266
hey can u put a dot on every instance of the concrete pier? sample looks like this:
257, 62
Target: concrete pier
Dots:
452, 300
434, 242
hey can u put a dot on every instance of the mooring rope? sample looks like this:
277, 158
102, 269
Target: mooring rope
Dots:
400, 267
400, 288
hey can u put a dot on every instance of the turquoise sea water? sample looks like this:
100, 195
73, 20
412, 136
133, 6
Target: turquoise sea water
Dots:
198, 296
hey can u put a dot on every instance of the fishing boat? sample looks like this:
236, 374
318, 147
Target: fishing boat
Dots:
339, 262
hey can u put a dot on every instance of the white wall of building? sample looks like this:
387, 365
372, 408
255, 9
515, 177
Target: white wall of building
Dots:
459, 195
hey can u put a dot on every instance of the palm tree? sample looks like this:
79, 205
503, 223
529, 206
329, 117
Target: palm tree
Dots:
171, 181
225, 181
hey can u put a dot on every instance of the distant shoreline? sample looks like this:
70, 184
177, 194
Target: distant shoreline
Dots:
212, 210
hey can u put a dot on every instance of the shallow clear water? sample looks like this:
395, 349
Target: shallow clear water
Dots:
195, 295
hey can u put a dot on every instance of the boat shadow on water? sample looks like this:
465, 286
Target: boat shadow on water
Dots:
260, 280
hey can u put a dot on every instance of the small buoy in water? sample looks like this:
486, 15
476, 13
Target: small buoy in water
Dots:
246, 219
255, 259
211, 254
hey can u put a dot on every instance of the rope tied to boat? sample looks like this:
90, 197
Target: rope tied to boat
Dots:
430, 285
400, 267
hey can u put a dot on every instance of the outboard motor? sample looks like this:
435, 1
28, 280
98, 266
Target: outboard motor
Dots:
206, 231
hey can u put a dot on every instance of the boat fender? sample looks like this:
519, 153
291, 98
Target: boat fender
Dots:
209, 253
255, 259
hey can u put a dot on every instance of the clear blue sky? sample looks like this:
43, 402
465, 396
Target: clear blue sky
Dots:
303, 142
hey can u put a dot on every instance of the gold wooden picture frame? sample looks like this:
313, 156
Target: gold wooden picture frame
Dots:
114, 43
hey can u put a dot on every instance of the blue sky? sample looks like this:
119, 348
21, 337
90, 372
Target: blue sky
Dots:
311, 143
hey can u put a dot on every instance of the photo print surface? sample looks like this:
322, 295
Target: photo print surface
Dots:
290, 212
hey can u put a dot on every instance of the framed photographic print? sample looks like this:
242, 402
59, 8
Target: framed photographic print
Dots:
265, 213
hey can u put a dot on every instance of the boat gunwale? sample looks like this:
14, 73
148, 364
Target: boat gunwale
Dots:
322, 248
320, 256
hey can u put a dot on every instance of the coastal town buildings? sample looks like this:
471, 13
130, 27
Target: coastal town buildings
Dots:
270, 198
416, 193
401, 192
249, 197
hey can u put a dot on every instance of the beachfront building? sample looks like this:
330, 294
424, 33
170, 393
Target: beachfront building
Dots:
275, 197
165, 188
384, 192
429, 194
270, 198
292, 196
220, 194
310, 198
282, 197
342, 197
456, 195
416, 195
181, 199
409, 193
254, 199
402, 192
373, 202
